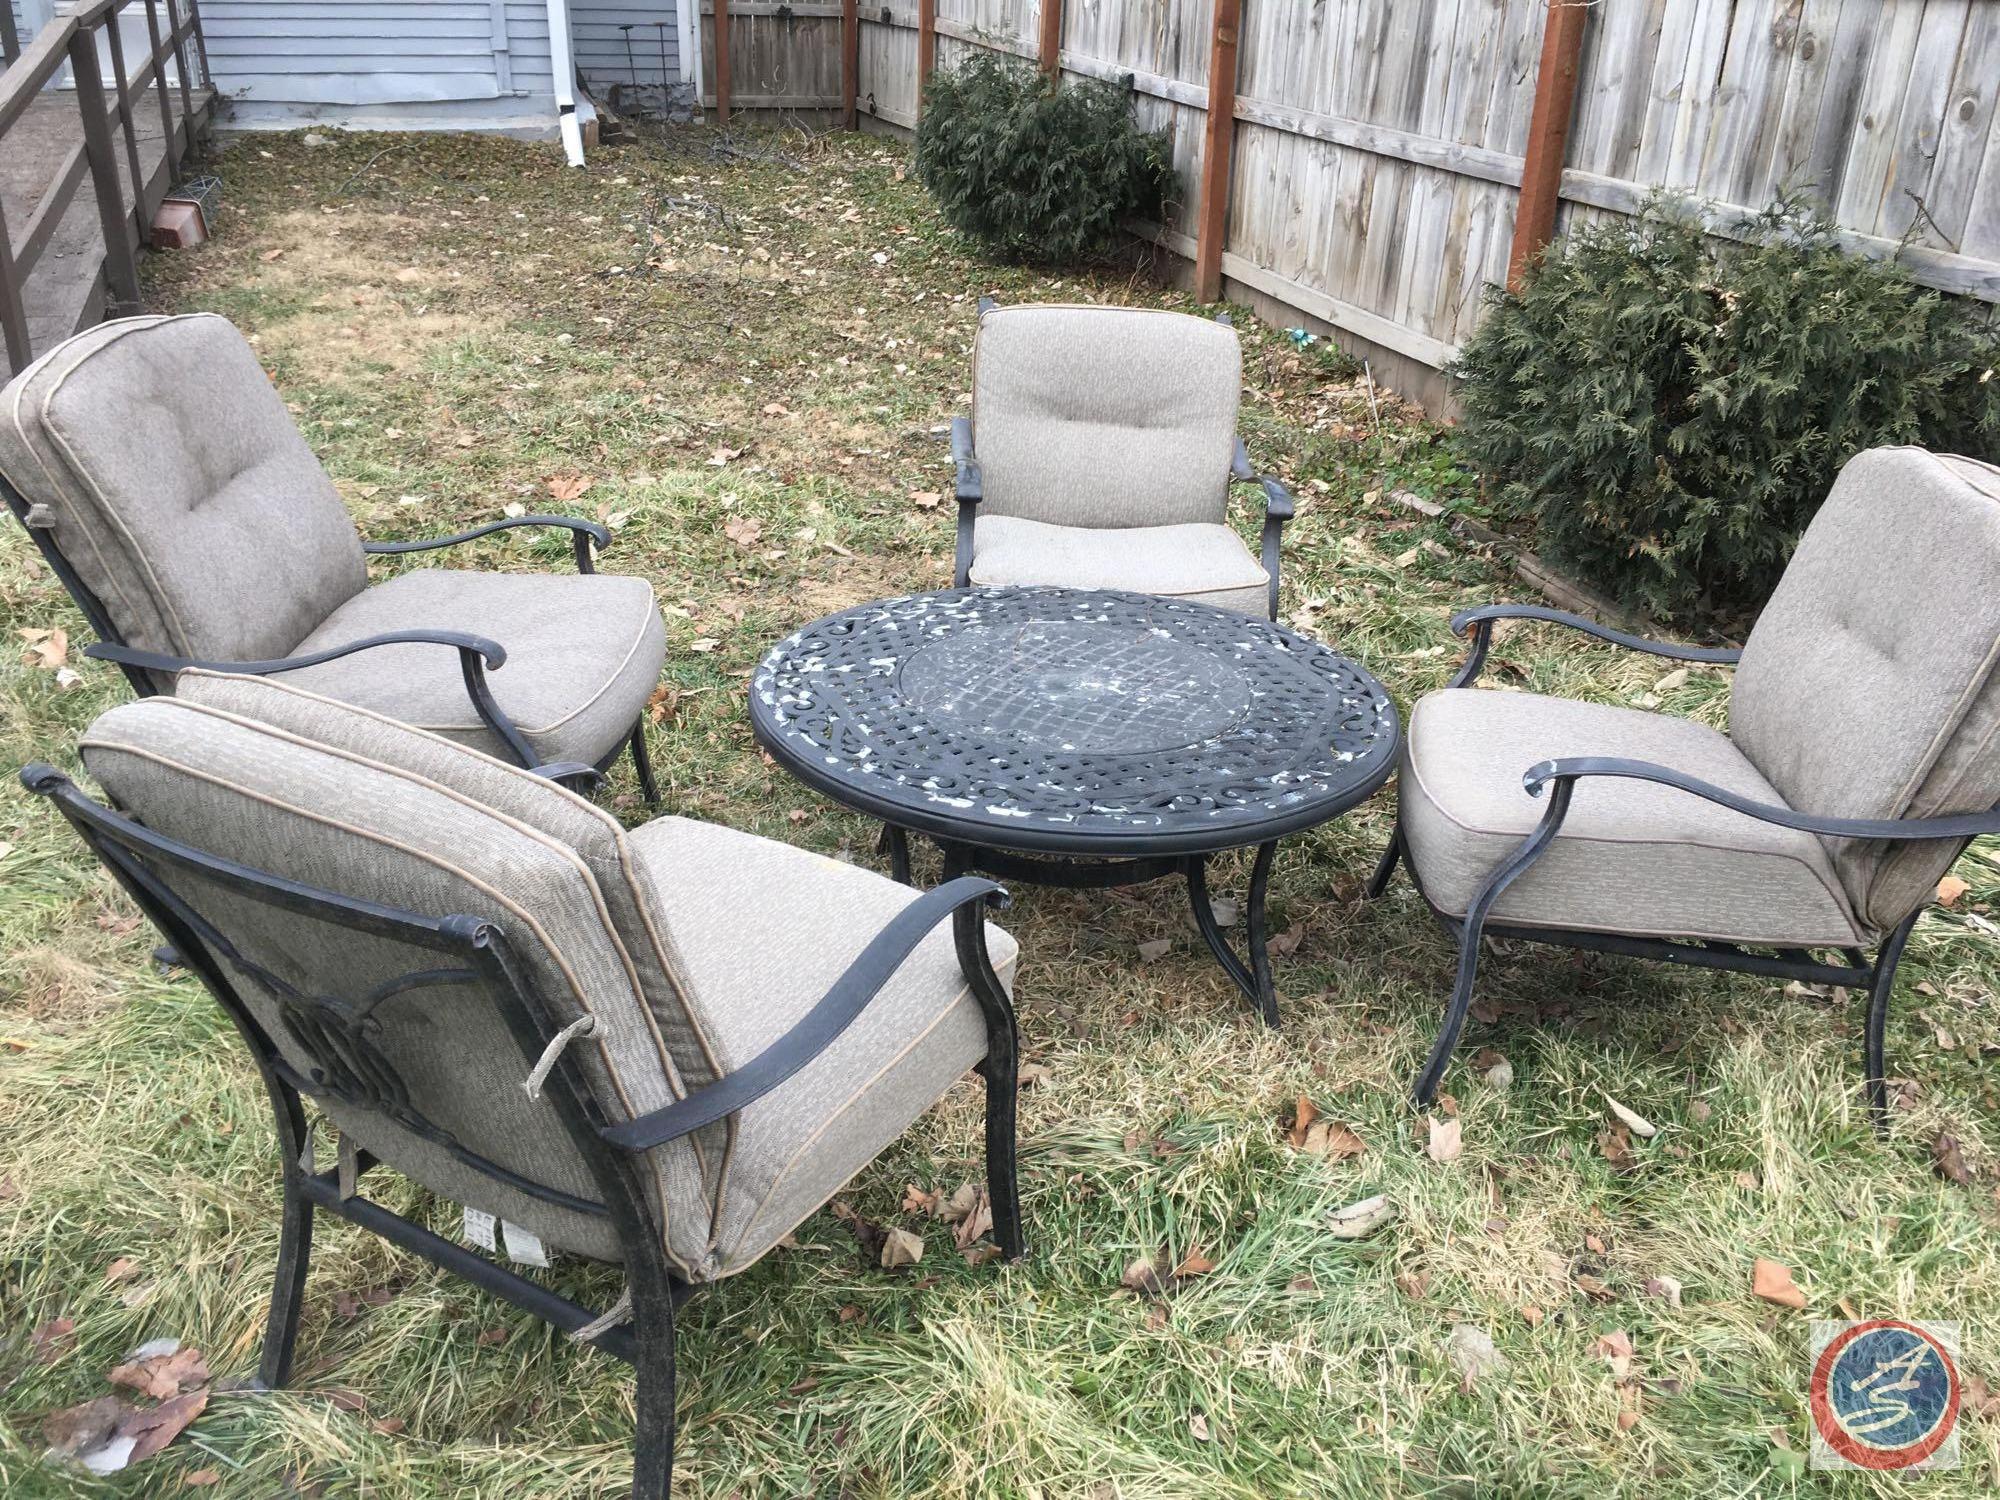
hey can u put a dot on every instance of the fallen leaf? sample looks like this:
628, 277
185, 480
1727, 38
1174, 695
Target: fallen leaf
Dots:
917, 1201
1594, 1287
76, 1430
926, 499
1632, 1120
1413, 1284
569, 487
1532, 1315
124, 1268
1772, 1281
1446, 1140
1142, 1274
1616, 1348
1287, 942
1949, 1160
46, 649
1198, 1426
704, 644
1472, 1354
155, 1428
1333, 1140
1157, 948
1664, 1286
1494, 1068
388, 1426
977, 1221
1700, 1111
1950, 889
163, 1376
960, 1204
901, 1248
1676, 678
1358, 1219
202, 1478
270, 255
1302, 1118
1194, 1263
743, 530
1615, 1146
1032, 1075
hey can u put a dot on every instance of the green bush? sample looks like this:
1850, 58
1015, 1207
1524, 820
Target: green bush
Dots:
1034, 172
1668, 410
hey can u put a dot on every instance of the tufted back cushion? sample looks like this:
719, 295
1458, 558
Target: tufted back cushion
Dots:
1104, 416
330, 809
177, 486
1871, 685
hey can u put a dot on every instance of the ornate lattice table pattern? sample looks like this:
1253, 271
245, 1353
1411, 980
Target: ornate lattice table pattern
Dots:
1074, 720
1130, 734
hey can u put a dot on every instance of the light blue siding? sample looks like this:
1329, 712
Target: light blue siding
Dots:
375, 53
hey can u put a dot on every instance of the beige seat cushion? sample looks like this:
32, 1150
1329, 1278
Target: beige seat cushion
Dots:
765, 929
729, 939
584, 652
1104, 416
1632, 857
1204, 563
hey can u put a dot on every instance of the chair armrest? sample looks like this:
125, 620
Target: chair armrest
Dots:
817, 1029
475, 654
583, 536
1960, 826
1479, 624
1278, 509
971, 489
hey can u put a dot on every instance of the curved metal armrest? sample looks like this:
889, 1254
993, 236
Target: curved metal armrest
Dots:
971, 489
817, 1029
475, 654
1959, 826
478, 647
1278, 509
1479, 623
583, 535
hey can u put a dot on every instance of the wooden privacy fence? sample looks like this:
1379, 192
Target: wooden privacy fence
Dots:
1375, 165
105, 133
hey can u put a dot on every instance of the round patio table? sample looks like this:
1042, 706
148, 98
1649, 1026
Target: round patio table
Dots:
1079, 737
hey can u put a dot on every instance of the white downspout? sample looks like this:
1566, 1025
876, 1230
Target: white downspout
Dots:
563, 65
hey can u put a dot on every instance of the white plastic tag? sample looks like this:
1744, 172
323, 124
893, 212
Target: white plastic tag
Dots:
524, 1246
479, 1228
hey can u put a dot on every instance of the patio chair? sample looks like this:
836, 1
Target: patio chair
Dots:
1863, 753
664, 1048
1100, 452
168, 487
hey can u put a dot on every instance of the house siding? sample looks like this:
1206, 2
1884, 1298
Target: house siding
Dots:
609, 71
315, 56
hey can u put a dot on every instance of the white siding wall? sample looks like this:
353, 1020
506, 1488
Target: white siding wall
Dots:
366, 53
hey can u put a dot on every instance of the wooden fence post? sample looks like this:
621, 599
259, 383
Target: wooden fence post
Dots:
1052, 19
850, 62
1217, 149
121, 269
721, 61
926, 47
1548, 134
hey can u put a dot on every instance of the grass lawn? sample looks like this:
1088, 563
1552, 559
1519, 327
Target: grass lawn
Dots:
742, 352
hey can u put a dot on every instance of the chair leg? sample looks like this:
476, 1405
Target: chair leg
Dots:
653, 1438
1532, 848
895, 842
643, 763
295, 1228
1874, 1045
1428, 1080
1001, 1068
1378, 883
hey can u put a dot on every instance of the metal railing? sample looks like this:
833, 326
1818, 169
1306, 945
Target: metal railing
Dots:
103, 115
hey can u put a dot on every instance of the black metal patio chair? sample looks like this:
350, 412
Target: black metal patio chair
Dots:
1863, 753
664, 1048
1105, 450
166, 484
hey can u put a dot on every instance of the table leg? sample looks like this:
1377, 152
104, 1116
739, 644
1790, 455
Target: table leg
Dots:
1253, 978
895, 843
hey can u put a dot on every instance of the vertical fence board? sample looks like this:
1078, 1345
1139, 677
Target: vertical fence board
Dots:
1371, 166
